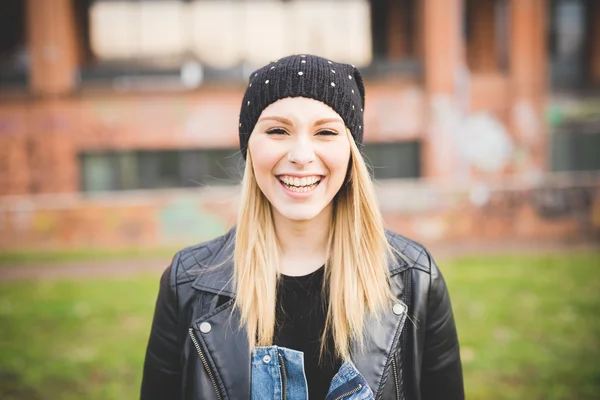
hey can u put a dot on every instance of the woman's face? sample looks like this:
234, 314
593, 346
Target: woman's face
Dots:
300, 153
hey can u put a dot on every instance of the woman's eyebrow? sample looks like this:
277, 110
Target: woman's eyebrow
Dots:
278, 119
327, 120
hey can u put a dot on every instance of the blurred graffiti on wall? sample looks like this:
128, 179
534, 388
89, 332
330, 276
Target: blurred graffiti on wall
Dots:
555, 208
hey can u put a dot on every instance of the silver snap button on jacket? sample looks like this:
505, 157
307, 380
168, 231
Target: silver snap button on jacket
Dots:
205, 327
399, 309
267, 359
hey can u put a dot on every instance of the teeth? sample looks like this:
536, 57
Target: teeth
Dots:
301, 185
305, 182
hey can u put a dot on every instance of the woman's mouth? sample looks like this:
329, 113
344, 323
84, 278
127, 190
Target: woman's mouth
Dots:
300, 185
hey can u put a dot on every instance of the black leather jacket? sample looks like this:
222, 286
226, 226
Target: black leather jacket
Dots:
197, 350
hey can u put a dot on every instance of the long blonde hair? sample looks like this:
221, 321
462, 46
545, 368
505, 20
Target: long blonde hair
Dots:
356, 272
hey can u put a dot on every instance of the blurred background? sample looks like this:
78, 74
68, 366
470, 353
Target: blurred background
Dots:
118, 146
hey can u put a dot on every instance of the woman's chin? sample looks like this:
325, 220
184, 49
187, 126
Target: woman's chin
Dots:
299, 213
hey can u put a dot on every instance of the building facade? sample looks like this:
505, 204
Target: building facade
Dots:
118, 119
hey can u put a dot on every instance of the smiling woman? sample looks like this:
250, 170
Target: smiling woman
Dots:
307, 297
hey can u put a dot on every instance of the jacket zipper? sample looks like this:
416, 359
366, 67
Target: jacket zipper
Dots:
205, 363
283, 376
356, 389
395, 371
393, 361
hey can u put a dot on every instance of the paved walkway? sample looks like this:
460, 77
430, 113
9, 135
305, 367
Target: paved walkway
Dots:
116, 268
85, 269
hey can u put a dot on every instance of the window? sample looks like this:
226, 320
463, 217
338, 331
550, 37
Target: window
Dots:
486, 24
574, 29
394, 25
395, 37
99, 172
130, 170
184, 43
575, 151
14, 62
112, 171
195, 41
393, 160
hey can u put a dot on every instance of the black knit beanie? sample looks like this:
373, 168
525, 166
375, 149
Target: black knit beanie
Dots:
340, 86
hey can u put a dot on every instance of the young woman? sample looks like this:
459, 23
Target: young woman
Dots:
308, 296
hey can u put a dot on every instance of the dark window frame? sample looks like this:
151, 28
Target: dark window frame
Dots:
393, 160
162, 169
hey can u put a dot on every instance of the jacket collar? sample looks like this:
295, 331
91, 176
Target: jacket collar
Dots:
216, 275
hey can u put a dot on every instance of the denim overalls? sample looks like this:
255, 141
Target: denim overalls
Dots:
278, 374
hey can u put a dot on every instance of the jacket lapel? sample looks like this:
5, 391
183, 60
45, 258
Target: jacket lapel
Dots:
381, 341
226, 345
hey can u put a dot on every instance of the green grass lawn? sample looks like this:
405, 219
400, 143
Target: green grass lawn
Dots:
529, 329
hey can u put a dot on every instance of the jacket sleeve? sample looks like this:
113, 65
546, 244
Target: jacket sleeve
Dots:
441, 369
162, 375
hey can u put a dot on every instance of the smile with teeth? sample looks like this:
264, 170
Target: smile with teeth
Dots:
304, 184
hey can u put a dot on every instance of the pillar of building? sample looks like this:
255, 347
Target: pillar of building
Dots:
52, 45
528, 80
443, 58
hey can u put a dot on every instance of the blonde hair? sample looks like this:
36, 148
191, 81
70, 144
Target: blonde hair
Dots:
356, 272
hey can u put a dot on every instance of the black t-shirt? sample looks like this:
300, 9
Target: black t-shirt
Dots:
301, 314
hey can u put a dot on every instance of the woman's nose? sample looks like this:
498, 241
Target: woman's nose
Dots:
302, 153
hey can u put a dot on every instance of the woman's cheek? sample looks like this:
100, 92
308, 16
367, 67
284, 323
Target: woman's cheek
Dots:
336, 159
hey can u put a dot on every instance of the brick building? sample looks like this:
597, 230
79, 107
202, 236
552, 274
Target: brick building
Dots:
118, 119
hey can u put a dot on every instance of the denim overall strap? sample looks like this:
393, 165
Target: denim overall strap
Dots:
278, 374
349, 384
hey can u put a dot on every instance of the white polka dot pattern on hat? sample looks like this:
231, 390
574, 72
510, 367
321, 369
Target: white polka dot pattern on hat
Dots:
295, 76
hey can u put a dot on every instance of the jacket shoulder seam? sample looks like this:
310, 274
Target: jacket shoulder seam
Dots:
414, 255
196, 257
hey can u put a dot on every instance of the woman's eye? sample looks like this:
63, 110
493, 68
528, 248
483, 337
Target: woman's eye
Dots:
327, 132
276, 131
